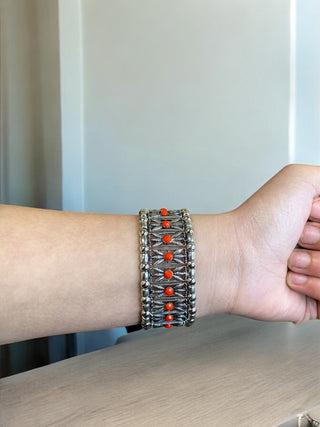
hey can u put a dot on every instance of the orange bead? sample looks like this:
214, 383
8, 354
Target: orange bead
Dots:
166, 224
164, 211
169, 306
168, 326
168, 291
169, 317
168, 256
168, 274
167, 238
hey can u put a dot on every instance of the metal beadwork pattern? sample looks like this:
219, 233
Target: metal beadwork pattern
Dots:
180, 269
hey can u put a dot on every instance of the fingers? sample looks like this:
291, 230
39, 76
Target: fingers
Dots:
307, 285
310, 237
304, 274
315, 210
304, 264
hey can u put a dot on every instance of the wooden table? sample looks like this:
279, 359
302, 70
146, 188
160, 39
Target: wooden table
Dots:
223, 371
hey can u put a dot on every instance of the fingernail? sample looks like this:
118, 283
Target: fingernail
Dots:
297, 279
300, 259
310, 235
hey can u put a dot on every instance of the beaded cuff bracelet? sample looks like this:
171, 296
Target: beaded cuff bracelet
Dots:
167, 268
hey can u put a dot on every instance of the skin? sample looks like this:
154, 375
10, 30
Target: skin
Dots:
273, 225
63, 272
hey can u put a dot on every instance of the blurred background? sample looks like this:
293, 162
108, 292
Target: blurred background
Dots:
116, 105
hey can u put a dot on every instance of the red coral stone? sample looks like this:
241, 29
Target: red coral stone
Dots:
168, 291
168, 326
168, 274
166, 224
169, 317
164, 211
169, 306
167, 238
168, 256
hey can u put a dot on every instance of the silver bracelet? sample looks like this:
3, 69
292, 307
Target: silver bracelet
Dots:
167, 268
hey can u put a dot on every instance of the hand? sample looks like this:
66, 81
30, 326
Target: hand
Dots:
269, 226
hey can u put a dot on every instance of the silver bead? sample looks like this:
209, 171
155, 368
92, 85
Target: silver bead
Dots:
146, 313
145, 284
145, 275
192, 289
191, 247
190, 238
145, 292
191, 273
144, 240
144, 257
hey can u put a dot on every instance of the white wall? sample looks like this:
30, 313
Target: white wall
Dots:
307, 84
186, 103
179, 98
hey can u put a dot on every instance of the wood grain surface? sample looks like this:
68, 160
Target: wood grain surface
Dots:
223, 371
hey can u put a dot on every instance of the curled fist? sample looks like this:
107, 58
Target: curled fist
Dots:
276, 263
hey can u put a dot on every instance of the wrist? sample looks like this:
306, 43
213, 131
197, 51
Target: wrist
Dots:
218, 262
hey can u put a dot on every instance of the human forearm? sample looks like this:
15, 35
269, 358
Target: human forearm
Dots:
63, 272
